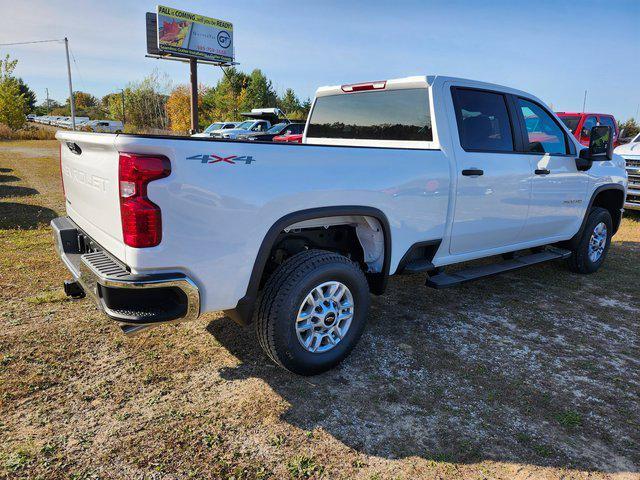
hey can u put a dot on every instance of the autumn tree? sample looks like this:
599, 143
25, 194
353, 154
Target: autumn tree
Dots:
145, 103
179, 107
13, 104
83, 100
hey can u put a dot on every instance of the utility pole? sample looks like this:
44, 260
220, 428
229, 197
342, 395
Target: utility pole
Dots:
193, 64
48, 104
584, 102
72, 101
124, 115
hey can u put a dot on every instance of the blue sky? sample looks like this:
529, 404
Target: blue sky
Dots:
553, 49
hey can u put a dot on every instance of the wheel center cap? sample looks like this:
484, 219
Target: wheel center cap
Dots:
329, 319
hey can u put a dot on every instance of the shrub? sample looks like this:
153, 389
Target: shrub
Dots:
28, 132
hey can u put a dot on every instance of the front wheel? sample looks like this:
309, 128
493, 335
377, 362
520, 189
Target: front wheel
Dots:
594, 243
312, 311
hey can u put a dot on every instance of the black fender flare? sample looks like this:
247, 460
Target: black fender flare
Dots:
573, 242
243, 312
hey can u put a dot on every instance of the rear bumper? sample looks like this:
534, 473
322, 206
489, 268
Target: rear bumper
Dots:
134, 301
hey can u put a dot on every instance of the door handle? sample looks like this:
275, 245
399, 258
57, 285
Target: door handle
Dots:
472, 172
542, 171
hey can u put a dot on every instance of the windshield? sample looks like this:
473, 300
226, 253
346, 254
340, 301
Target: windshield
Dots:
401, 114
571, 121
212, 127
277, 128
636, 138
245, 125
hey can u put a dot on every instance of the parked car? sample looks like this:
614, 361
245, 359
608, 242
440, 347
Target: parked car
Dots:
31, 117
67, 123
631, 154
580, 124
215, 128
291, 138
283, 128
103, 126
161, 229
244, 128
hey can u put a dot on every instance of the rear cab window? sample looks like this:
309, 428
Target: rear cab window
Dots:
386, 116
483, 120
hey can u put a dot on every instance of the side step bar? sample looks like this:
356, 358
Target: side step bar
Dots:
446, 280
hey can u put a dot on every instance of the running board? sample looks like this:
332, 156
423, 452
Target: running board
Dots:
446, 280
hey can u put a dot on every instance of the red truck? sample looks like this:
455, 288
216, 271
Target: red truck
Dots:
580, 124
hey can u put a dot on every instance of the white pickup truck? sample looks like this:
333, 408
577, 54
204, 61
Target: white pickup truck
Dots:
398, 176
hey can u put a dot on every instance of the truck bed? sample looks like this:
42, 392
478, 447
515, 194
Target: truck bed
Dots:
223, 196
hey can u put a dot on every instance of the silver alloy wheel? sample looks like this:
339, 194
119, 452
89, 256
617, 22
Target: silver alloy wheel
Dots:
324, 317
597, 242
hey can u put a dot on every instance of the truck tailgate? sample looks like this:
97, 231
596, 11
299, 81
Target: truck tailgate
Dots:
89, 165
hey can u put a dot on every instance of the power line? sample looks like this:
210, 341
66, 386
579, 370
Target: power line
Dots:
84, 85
35, 41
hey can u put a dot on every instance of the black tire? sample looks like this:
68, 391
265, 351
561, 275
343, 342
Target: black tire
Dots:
579, 260
280, 301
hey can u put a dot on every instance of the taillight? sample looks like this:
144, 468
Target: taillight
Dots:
360, 87
64, 194
141, 218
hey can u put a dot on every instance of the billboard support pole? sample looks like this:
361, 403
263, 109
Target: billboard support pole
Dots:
71, 99
193, 64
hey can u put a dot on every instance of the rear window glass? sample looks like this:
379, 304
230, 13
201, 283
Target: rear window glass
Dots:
483, 120
571, 121
378, 115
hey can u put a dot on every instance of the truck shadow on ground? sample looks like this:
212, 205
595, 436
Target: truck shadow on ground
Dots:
10, 191
20, 215
487, 371
24, 216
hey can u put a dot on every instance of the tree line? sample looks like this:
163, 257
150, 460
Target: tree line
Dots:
154, 103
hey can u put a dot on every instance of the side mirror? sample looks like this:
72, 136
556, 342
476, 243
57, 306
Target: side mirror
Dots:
601, 143
600, 148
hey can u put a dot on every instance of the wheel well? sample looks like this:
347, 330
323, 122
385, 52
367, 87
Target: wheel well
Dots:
613, 201
357, 237
371, 229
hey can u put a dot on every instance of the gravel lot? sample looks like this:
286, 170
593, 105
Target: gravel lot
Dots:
533, 374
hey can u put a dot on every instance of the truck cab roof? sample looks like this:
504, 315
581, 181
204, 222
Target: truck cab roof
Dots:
419, 81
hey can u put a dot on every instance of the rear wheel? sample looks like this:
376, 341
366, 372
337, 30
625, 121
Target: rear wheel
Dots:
312, 311
594, 243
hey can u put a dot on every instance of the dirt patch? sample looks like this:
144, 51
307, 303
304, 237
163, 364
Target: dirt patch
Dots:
533, 374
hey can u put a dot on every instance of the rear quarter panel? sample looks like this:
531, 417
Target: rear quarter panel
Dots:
215, 215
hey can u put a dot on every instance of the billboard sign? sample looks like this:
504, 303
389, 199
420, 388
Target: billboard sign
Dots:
184, 34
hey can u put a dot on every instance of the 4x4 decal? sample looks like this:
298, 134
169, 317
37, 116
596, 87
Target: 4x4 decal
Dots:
232, 159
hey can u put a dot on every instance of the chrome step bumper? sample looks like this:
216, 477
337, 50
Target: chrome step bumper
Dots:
135, 301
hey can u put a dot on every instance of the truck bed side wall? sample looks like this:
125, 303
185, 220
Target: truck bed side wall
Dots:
215, 215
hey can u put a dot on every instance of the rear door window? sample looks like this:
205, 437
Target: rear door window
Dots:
483, 120
544, 134
402, 114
